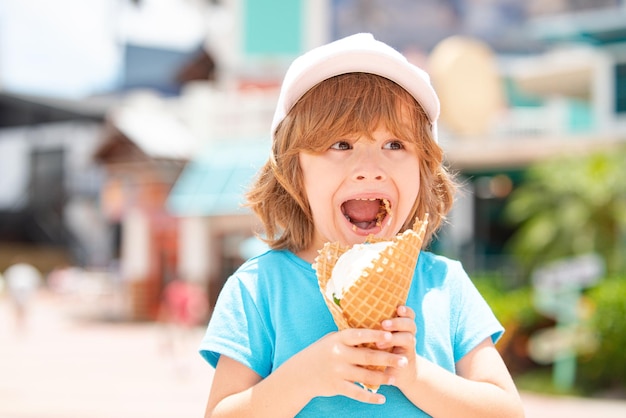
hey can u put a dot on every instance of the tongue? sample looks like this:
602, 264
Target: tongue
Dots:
362, 213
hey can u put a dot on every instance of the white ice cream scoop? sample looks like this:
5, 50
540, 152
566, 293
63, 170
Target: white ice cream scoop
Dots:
350, 266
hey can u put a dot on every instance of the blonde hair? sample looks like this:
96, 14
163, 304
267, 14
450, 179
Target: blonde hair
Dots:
345, 104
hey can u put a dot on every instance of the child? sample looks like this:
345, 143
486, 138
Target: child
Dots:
355, 124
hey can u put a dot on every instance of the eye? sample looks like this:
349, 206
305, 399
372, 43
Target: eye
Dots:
341, 145
394, 145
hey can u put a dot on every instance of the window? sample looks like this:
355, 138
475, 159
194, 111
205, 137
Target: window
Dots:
47, 187
620, 88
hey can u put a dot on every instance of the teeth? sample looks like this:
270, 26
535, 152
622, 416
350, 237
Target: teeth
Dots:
381, 215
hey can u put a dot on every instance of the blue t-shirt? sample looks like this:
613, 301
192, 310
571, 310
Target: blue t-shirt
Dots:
272, 308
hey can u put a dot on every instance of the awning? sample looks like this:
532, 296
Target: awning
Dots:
602, 26
215, 182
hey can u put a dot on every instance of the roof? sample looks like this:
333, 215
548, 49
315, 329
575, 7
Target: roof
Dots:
21, 109
155, 131
214, 183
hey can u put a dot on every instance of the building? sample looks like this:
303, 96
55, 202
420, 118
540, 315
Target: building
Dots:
49, 196
172, 157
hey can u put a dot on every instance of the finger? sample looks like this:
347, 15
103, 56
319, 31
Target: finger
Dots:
357, 336
405, 312
363, 357
399, 324
403, 343
371, 377
359, 393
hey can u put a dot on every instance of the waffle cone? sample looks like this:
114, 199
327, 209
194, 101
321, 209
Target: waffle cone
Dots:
382, 286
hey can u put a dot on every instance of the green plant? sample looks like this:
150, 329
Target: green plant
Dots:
514, 309
571, 206
509, 305
605, 368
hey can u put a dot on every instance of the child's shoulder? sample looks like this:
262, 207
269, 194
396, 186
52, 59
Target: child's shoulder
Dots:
273, 262
432, 264
430, 258
271, 257
272, 272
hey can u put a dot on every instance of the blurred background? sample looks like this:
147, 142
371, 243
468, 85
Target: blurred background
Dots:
129, 131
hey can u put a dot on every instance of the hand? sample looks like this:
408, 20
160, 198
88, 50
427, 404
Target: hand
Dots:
332, 364
403, 331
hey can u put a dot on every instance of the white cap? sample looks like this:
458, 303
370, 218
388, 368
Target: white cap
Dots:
357, 53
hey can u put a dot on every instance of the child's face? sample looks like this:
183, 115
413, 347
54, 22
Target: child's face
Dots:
349, 184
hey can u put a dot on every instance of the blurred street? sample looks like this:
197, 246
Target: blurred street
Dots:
65, 365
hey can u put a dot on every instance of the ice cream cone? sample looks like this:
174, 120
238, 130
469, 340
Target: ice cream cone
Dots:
381, 287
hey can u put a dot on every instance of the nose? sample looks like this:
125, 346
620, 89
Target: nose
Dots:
369, 166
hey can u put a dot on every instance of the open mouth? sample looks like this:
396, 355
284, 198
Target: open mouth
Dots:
366, 214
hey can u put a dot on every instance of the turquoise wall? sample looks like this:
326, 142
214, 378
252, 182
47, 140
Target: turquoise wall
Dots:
273, 27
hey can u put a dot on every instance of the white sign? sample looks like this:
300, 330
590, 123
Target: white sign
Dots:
547, 345
582, 271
